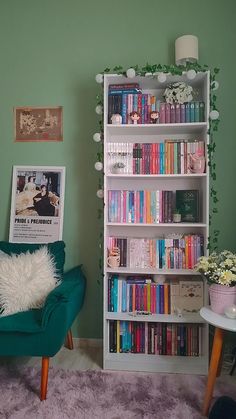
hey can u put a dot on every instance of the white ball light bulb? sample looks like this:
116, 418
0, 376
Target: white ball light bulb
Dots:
148, 74
161, 77
100, 193
97, 137
98, 166
215, 85
98, 109
214, 115
191, 74
130, 73
99, 78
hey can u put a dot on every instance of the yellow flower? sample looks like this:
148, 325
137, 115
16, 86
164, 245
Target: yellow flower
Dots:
226, 277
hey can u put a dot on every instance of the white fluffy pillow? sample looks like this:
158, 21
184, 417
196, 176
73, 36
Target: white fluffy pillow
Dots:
26, 280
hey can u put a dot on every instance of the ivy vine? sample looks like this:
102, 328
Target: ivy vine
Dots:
153, 70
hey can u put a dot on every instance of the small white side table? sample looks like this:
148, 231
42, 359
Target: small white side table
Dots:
221, 323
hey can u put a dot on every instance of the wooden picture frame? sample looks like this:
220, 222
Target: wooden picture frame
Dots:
38, 124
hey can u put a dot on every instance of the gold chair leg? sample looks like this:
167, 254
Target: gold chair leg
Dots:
44, 377
69, 340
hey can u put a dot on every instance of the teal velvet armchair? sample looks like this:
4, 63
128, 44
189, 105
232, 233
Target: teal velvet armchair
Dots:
42, 332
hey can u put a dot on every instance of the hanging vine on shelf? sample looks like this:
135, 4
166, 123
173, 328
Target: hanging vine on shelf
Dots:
160, 72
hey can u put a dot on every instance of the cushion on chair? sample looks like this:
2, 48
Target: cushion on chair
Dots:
56, 249
26, 280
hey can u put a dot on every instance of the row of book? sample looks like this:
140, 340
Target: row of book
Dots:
141, 294
165, 157
124, 100
162, 253
155, 338
152, 206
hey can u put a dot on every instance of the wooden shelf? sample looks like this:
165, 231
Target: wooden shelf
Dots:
173, 176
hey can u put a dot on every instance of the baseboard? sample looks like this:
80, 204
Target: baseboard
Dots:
87, 343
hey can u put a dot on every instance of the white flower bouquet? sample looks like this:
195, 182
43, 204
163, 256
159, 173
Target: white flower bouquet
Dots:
218, 268
178, 93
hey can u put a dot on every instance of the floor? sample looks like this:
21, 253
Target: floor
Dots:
77, 359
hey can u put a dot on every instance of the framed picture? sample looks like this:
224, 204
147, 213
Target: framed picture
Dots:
37, 204
38, 124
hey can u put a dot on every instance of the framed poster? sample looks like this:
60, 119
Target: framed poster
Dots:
38, 124
37, 204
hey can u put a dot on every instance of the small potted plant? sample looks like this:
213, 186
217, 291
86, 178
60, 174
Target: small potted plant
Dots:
176, 216
118, 167
178, 93
220, 271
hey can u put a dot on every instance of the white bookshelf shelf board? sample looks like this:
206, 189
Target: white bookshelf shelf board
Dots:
155, 133
150, 271
160, 318
166, 129
178, 176
171, 225
157, 363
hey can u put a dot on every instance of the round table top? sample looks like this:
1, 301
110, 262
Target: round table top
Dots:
218, 320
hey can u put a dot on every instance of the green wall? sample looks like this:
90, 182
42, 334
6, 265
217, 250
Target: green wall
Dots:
51, 51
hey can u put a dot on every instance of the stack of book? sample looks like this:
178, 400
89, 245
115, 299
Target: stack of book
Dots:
162, 253
165, 157
140, 206
126, 98
182, 113
155, 338
141, 294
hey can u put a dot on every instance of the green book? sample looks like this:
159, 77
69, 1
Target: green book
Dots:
187, 203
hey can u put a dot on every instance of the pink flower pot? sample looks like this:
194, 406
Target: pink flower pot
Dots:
221, 297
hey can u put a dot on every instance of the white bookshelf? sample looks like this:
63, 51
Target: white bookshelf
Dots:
155, 133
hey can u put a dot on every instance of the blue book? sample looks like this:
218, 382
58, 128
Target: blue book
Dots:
163, 254
124, 294
161, 158
187, 112
160, 253
197, 115
141, 200
192, 112
121, 91
115, 291
132, 207
135, 102
124, 109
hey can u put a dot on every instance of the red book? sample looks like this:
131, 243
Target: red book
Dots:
168, 339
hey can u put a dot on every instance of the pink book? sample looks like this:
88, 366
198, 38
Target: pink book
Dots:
118, 206
172, 114
177, 113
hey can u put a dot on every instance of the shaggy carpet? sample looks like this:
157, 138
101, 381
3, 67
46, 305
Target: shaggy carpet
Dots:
103, 395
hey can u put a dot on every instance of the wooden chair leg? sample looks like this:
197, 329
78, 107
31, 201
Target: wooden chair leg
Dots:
69, 340
215, 358
44, 377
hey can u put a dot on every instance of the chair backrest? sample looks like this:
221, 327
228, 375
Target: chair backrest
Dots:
56, 249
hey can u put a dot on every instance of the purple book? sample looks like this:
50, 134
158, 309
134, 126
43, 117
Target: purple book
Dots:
168, 113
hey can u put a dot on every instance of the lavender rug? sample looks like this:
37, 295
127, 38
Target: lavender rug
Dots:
103, 395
